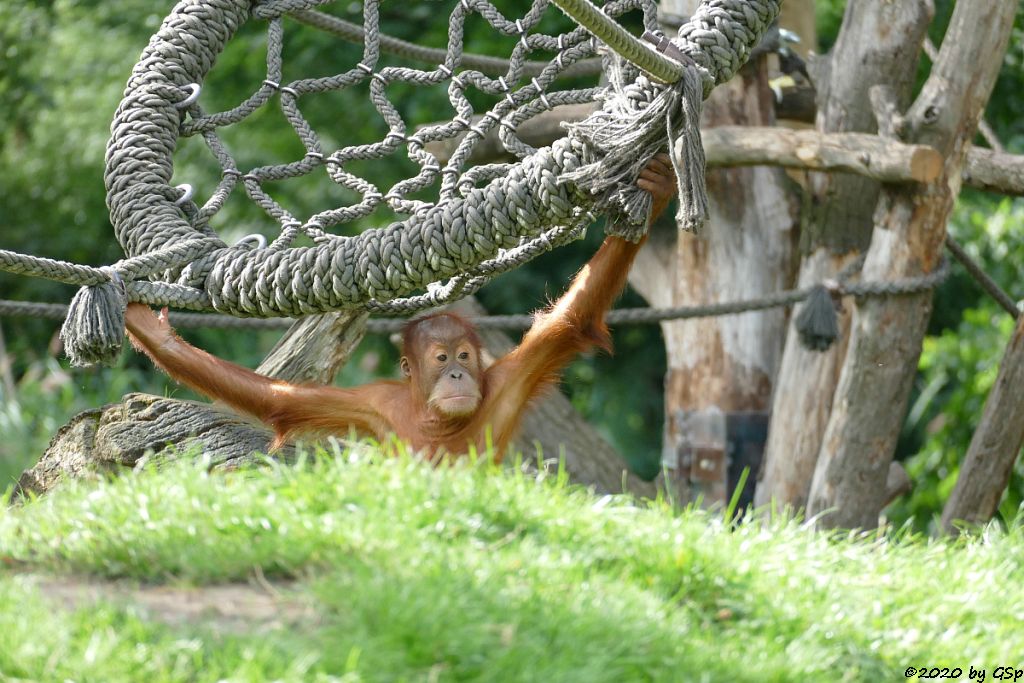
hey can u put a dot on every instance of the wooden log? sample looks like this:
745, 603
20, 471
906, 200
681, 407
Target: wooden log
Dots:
868, 156
870, 402
995, 445
880, 38
862, 155
118, 436
139, 431
721, 365
315, 348
995, 172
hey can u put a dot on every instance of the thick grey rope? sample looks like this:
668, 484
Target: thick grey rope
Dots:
128, 234
621, 316
470, 226
432, 245
126, 270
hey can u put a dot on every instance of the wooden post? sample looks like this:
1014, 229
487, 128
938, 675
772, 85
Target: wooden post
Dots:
910, 227
995, 445
879, 43
722, 364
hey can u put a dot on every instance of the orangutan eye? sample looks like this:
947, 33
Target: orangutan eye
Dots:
464, 355
442, 357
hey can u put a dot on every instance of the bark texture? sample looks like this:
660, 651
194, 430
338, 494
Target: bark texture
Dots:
879, 43
868, 156
723, 363
110, 439
862, 154
910, 226
995, 172
141, 430
314, 349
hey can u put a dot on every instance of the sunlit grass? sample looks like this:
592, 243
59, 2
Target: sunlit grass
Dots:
472, 573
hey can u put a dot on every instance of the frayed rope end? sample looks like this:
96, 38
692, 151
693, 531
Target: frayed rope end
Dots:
637, 121
93, 332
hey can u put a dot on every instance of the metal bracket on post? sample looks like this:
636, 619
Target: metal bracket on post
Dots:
709, 452
666, 47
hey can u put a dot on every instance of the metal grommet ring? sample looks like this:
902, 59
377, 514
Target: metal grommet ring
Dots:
258, 240
194, 89
187, 191
115, 278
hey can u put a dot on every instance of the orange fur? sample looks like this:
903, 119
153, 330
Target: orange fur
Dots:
406, 408
572, 324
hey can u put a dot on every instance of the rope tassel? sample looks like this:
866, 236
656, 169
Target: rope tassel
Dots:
637, 121
93, 331
817, 323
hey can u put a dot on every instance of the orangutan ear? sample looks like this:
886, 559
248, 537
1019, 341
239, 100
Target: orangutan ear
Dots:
406, 368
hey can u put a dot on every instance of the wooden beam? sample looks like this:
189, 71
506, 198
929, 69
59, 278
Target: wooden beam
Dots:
315, 347
995, 172
880, 38
865, 155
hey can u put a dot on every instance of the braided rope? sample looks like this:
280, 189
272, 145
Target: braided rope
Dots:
621, 316
484, 220
469, 224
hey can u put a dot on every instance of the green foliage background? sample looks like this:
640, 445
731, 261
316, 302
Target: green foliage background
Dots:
63, 64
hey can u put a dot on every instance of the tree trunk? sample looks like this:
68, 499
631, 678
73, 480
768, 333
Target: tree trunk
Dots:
315, 348
879, 43
721, 365
995, 445
910, 226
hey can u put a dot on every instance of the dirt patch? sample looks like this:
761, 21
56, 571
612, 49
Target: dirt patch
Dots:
227, 608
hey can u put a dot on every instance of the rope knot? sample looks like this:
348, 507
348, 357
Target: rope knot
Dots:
817, 324
93, 331
637, 120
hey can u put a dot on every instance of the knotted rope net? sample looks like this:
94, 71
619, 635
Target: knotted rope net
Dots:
481, 220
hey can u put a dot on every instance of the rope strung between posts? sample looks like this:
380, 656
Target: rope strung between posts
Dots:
622, 316
484, 220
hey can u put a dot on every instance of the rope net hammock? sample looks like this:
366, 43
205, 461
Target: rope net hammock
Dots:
482, 220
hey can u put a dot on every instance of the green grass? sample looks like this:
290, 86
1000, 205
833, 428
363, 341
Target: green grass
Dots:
469, 573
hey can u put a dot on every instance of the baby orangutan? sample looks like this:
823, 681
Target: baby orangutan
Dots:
448, 401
